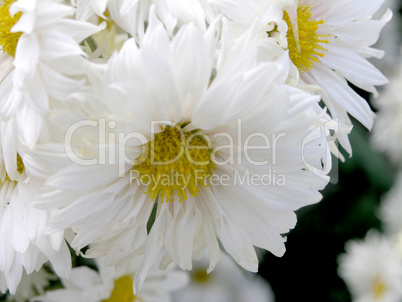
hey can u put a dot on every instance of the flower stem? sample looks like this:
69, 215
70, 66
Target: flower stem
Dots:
91, 43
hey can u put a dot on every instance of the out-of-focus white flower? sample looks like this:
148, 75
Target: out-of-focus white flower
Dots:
372, 269
108, 285
391, 208
227, 283
31, 285
132, 16
388, 126
390, 212
211, 108
129, 18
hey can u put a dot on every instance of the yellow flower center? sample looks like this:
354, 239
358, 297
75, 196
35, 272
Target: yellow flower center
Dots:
175, 161
123, 291
200, 276
379, 288
304, 44
8, 40
109, 21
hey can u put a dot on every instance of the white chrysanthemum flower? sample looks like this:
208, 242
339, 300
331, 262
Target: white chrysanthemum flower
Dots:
241, 179
132, 16
124, 18
388, 126
390, 212
23, 246
41, 41
328, 42
372, 269
31, 285
391, 208
228, 282
107, 285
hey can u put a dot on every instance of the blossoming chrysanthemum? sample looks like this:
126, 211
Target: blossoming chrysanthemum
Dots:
207, 109
107, 285
40, 44
23, 245
390, 211
32, 285
160, 131
132, 16
328, 42
372, 269
228, 282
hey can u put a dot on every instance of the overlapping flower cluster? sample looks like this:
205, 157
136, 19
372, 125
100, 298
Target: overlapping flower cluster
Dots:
155, 131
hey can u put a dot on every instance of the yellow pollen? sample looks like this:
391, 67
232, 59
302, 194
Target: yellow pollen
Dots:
379, 288
8, 40
109, 21
305, 46
20, 164
174, 161
123, 291
200, 276
20, 167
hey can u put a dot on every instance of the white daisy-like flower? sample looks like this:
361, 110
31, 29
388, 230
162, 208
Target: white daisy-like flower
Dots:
391, 208
41, 41
32, 285
390, 212
328, 42
123, 18
372, 269
132, 16
20, 250
23, 245
388, 126
107, 285
227, 283
239, 182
